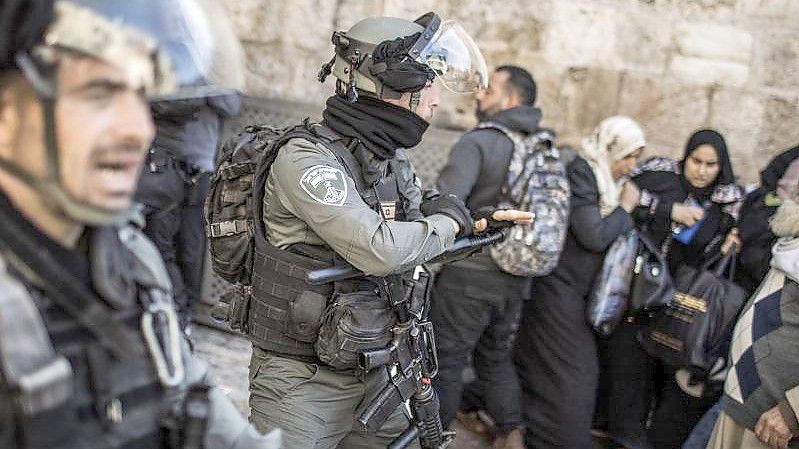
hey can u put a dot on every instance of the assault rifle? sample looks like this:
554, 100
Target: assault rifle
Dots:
412, 349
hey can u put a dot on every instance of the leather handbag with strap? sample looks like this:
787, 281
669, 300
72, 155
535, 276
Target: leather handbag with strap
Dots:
695, 328
652, 286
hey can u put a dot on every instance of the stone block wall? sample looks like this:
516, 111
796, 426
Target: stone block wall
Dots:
673, 65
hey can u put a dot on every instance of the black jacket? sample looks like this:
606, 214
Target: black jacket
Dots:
478, 165
666, 188
757, 239
588, 238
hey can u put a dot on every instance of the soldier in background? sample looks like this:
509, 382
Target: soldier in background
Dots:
174, 185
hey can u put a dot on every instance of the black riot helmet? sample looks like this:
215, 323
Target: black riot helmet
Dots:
165, 46
387, 56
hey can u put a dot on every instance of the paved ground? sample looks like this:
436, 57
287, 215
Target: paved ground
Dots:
229, 355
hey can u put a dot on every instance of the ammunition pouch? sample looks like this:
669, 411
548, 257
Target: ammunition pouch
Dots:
233, 308
283, 312
354, 323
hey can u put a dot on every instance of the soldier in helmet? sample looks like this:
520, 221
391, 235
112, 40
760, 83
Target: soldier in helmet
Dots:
346, 192
91, 355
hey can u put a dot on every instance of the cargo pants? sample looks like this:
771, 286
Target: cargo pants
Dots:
316, 406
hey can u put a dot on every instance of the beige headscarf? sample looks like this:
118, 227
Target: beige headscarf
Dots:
613, 139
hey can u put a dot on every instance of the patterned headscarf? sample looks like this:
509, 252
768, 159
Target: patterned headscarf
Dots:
614, 139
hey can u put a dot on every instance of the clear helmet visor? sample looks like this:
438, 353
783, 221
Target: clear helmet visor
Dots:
169, 45
455, 58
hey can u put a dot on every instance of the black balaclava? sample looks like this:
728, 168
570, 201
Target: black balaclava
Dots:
381, 127
22, 25
725, 175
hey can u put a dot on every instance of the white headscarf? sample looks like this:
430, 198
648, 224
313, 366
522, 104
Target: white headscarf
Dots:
613, 139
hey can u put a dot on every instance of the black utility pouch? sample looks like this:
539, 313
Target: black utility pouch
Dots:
240, 310
305, 316
233, 308
354, 323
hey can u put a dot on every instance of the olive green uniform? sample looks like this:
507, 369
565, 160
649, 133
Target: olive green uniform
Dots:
349, 227
311, 199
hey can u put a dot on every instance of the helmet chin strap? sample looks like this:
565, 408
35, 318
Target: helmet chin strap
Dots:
415, 98
51, 188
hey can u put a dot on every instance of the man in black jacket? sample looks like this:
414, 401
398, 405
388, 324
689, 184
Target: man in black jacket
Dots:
476, 306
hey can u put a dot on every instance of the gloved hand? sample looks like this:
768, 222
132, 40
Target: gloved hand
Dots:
451, 206
487, 212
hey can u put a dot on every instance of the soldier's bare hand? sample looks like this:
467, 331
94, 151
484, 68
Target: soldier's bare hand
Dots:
772, 429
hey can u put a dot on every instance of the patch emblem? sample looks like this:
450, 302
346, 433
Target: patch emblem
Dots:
325, 184
389, 209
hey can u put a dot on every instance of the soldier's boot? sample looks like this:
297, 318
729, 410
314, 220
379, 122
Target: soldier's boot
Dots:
513, 440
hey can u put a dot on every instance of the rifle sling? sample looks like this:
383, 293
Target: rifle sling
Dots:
39, 268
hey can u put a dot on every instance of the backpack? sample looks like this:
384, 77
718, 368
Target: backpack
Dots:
536, 182
236, 189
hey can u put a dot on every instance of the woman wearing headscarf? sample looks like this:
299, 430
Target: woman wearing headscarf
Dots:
556, 350
689, 208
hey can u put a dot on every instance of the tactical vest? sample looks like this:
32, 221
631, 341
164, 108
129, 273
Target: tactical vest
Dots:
109, 394
284, 310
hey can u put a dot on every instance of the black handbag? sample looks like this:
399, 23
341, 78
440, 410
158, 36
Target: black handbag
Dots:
695, 328
651, 287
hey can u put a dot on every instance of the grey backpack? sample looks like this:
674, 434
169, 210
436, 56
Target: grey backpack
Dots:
536, 182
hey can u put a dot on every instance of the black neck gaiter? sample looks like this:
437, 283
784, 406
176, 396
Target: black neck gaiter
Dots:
381, 127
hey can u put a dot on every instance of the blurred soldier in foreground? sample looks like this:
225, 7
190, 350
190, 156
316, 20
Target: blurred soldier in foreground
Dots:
90, 351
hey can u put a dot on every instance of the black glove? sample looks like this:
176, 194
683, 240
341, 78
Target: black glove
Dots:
451, 206
487, 212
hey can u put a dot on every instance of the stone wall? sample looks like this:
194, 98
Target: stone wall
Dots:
673, 65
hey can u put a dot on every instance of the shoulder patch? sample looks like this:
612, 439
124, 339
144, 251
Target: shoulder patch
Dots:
325, 184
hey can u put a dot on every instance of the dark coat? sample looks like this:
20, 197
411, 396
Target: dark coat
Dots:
666, 188
589, 234
757, 239
754, 260
556, 349
478, 164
